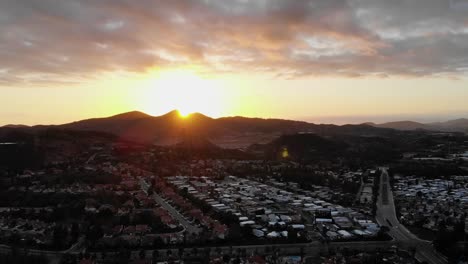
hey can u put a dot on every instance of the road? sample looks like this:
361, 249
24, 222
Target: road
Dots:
189, 227
386, 216
91, 158
53, 257
358, 195
311, 249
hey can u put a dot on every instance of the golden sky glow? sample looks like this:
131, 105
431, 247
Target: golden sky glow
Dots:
328, 100
316, 60
183, 90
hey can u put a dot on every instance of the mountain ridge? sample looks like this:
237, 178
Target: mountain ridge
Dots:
456, 125
231, 132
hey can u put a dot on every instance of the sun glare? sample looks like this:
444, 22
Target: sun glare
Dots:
183, 114
182, 90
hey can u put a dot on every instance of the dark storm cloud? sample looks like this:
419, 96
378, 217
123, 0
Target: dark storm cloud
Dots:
53, 40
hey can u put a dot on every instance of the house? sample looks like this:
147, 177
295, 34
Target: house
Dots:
273, 234
258, 233
247, 223
345, 234
343, 222
298, 227
332, 235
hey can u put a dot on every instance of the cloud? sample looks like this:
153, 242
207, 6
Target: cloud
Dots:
59, 41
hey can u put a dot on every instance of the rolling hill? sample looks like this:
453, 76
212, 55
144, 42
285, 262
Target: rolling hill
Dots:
457, 125
227, 132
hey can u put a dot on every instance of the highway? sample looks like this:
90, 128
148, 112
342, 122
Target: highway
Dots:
386, 216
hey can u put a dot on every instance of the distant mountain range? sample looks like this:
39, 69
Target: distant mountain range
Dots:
228, 132
457, 125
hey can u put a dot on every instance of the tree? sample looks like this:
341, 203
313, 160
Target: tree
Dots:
142, 254
155, 255
59, 236
195, 251
181, 252
74, 232
419, 194
150, 191
226, 258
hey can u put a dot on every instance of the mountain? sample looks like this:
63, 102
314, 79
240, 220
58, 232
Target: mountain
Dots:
14, 126
227, 132
201, 148
131, 115
312, 147
31, 148
304, 145
403, 125
164, 130
457, 125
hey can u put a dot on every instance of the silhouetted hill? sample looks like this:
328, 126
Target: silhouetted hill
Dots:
196, 144
237, 131
311, 147
165, 129
201, 148
458, 125
14, 126
369, 124
230, 132
303, 146
403, 125
263, 125
131, 115
29, 148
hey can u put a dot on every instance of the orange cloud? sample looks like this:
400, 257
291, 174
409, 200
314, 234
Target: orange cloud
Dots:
45, 40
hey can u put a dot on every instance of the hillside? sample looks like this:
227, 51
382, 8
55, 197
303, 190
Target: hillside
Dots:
457, 125
231, 132
30, 148
311, 147
404, 125
227, 132
303, 146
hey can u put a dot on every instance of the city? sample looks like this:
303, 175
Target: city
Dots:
109, 202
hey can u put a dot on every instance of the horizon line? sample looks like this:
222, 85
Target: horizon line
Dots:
411, 118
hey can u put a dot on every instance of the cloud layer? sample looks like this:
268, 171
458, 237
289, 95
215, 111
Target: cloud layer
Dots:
68, 41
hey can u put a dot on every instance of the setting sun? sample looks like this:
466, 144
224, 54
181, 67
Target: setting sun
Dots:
183, 90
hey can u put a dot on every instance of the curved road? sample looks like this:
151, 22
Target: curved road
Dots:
386, 216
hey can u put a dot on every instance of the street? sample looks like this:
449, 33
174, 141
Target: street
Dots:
386, 216
189, 227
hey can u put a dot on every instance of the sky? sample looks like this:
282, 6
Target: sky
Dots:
324, 61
